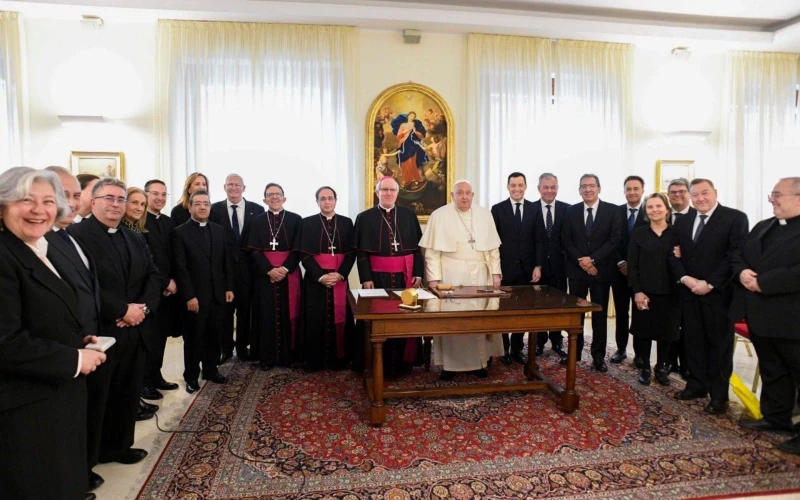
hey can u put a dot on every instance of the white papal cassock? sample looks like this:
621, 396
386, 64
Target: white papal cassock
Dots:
452, 259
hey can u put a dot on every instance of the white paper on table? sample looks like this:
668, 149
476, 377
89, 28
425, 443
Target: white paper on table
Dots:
372, 292
422, 294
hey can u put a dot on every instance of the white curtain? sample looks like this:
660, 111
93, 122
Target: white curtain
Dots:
517, 123
11, 87
508, 100
270, 102
760, 128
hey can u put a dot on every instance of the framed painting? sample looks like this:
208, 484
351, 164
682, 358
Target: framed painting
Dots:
668, 170
410, 136
99, 164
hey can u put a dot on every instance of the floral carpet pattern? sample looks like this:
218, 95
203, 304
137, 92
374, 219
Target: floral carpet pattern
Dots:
306, 436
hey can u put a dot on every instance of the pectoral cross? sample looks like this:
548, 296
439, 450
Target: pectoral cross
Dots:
471, 241
331, 248
395, 244
273, 243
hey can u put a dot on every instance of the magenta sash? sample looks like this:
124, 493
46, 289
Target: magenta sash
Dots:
400, 264
404, 264
276, 259
328, 261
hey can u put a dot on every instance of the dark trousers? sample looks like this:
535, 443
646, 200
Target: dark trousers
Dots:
622, 303
709, 347
164, 324
600, 291
643, 347
516, 277
559, 282
241, 308
201, 335
114, 390
677, 353
779, 360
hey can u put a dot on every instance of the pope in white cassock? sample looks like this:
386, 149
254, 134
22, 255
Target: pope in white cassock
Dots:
461, 248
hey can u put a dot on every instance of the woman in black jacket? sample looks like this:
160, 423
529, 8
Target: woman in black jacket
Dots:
656, 316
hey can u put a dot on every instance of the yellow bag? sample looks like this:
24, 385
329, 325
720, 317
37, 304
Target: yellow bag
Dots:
749, 400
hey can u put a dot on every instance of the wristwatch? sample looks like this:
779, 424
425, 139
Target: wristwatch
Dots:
146, 310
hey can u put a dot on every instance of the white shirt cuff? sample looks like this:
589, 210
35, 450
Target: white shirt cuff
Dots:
80, 360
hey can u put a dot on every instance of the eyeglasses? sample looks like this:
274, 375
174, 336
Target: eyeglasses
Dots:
232, 185
680, 191
388, 190
775, 195
111, 199
588, 186
273, 195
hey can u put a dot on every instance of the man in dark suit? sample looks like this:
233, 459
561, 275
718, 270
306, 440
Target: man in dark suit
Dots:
130, 287
678, 193
76, 267
590, 237
549, 251
768, 268
706, 243
515, 219
159, 226
234, 214
204, 272
632, 215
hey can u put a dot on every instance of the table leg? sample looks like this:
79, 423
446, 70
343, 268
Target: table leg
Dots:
531, 367
569, 398
426, 352
367, 350
377, 411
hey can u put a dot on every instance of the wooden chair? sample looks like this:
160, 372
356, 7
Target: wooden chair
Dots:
743, 336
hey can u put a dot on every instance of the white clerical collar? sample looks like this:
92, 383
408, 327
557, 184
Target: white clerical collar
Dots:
782, 222
326, 217
276, 213
201, 224
385, 209
156, 215
112, 230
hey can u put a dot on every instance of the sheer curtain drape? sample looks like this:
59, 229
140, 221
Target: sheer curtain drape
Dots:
760, 129
539, 105
11, 87
270, 102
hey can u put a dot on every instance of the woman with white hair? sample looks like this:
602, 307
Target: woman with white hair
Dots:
43, 362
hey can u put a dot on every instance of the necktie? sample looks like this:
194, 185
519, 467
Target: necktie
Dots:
64, 236
631, 220
237, 232
518, 217
678, 215
589, 220
699, 228
549, 222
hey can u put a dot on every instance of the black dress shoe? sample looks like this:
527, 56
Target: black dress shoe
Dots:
267, 367
662, 374
791, 446
618, 357
687, 395
95, 480
520, 358
216, 377
644, 376
539, 350
638, 362
144, 405
560, 351
674, 368
482, 373
446, 376
763, 425
243, 354
506, 359
684, 373
127, 457
192, 386
600, 365
150, 393
226, 355
715, 407
90, 496
143, 414
163, 385
563, 361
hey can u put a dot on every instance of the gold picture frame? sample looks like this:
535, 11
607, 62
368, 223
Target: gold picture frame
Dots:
668, 170
420, 156
101, 164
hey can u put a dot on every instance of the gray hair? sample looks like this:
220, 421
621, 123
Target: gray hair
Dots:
108, 181
680, 181
16, 184
547, 175
58, 170
378, 185
795, 183
234, 175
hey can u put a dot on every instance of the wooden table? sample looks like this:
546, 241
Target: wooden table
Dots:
528, 309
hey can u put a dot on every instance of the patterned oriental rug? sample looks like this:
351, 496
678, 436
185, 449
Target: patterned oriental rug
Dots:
305, 436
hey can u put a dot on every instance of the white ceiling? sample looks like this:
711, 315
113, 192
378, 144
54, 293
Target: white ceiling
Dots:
772, 25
